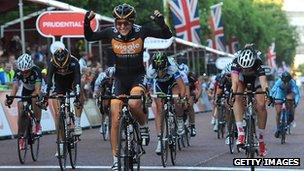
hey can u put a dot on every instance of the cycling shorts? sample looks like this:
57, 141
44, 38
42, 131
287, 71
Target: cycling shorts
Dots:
125, 85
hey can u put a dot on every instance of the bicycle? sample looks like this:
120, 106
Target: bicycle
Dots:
251, 141
284, 127
129, 140
69, 141
168, 134
29, 137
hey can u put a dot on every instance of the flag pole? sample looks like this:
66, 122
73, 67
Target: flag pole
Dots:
166, 11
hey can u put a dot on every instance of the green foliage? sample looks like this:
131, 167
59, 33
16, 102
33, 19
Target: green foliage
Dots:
261, 23
301, 68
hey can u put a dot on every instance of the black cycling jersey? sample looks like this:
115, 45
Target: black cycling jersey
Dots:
64, 78
128, 50
30, 81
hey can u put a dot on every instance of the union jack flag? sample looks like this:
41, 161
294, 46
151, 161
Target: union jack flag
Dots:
217, 27
186, 19
271, 56
234, 45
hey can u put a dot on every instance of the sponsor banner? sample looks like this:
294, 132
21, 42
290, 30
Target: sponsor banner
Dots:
155, 43
92, 112
5, 129
62, 23
11, 113
84, 122
47, 120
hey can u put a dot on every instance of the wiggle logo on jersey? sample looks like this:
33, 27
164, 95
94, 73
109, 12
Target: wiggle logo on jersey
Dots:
127, 48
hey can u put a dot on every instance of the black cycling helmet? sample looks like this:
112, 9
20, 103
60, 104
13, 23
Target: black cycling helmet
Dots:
61, 58
160, 61
124, 11
286, 77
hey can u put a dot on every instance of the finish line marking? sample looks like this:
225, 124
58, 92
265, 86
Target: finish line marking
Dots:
150, 168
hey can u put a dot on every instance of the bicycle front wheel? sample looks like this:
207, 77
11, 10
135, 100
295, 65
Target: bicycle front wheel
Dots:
164, 140
23, 141
123, 148
283, 127
22, 151
35, 141
250, 149
173, 139
62, 142
72, 149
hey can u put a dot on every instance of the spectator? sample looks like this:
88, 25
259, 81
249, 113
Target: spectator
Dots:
84, 62
6, 76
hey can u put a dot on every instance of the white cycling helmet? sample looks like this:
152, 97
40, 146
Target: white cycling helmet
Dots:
246, 58
184, 68
25, 62
110, 72
56, 46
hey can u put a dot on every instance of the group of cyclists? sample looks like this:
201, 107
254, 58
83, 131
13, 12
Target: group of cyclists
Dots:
163, 75
246, 72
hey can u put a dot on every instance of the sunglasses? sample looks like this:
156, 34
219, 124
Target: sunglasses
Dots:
122, 22
26, 72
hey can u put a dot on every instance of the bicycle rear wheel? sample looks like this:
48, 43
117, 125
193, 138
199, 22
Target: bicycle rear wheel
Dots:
34, 142
123, 149
62, 141
164, 140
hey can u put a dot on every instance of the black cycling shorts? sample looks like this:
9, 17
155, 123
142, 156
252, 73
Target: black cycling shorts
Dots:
253, 80
124, 85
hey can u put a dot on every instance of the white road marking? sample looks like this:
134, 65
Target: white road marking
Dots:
152, 168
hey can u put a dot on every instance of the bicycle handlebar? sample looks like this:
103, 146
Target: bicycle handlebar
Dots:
122, 97
21, 97
164, 95
250, 93
56, 96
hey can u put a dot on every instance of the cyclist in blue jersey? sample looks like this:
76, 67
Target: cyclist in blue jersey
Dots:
284, 88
